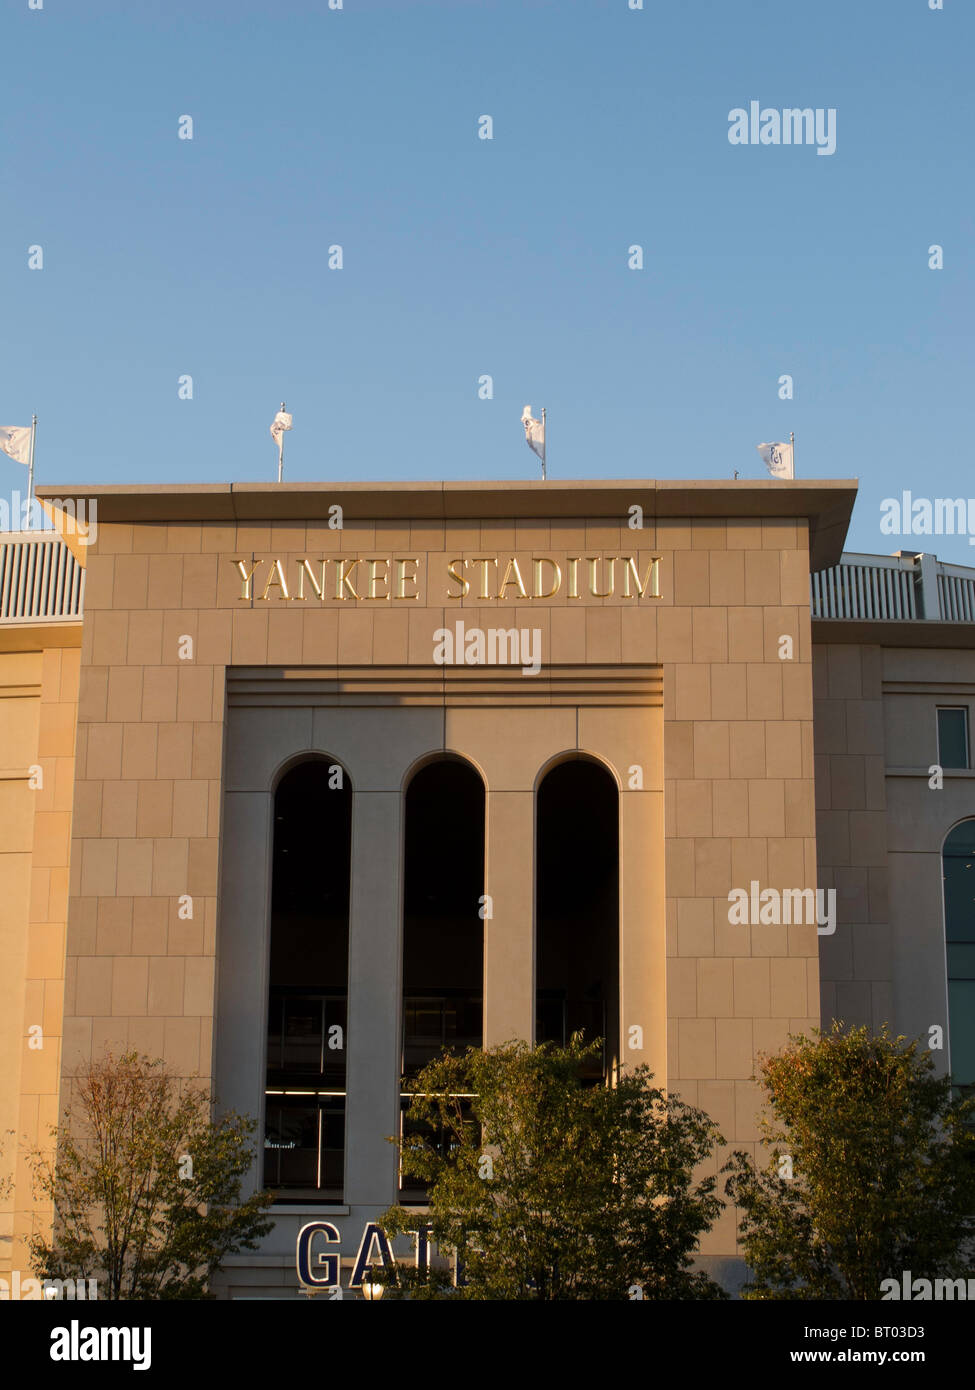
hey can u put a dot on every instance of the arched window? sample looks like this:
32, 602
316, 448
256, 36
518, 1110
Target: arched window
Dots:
577, 908
304, 1145
958, 864
443, 930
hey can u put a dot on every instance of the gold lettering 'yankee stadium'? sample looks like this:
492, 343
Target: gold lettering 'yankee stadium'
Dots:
486, 578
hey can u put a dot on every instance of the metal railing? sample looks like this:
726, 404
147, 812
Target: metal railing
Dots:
894, 588
956, 593
40, 579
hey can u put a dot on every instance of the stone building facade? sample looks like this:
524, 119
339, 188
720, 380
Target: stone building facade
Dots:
659, 634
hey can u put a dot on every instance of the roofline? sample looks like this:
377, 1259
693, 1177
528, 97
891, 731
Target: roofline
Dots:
826, 504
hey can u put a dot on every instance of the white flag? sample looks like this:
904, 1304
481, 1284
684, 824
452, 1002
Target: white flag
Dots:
534, 432
777, 459
15, 441
282, 422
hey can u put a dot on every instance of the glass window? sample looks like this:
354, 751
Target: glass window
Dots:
443, 930
577, 920
304, 1144
958, 860
412, 1188
307, 998
953, 737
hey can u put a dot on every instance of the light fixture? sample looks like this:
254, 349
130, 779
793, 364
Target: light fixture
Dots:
372, 1290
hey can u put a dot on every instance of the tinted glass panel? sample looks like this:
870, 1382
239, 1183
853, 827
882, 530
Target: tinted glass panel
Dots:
577, 909
959, 886
953, 737
959, 879
306, 1029
304, 1144
961, 1007
443, 932
412, 1188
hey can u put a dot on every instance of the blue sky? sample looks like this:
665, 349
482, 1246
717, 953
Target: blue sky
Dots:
508, 257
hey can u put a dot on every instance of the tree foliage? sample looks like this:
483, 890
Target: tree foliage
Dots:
146, 1188
883, 1170
550, 1189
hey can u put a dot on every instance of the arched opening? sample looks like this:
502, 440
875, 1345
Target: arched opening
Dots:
577, 909
443, 930
304, 1144
958, 868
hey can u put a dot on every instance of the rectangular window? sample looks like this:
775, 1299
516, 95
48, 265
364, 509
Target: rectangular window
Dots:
304, 1146
953, 737
305, 1106
431, 1022
412, 1188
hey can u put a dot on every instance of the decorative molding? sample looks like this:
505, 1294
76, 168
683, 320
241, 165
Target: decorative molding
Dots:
633, 684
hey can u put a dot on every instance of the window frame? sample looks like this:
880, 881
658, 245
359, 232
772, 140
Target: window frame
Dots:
953, 709
951, 929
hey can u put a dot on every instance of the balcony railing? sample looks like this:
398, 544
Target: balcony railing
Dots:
894, 588
956, 594
40, 579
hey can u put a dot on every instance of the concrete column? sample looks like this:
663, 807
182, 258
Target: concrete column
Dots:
242, 960
930, 599
509, 935
627, 739
643, 933
375, 971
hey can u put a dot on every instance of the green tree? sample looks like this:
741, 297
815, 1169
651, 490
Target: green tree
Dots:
146, 1188
882, 1170
550, 1189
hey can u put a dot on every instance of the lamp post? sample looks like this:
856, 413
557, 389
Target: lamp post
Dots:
372, 1290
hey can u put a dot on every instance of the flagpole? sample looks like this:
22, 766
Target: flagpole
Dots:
281, 452
792, 441
544, 445
30, 476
